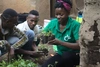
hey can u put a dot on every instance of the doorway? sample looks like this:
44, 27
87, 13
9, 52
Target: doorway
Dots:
52, 11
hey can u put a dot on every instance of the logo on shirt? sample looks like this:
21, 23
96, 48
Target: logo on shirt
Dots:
66, 38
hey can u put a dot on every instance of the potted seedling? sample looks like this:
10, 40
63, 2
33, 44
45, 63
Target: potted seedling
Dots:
44, 37
44, 49
51, 36
47, 36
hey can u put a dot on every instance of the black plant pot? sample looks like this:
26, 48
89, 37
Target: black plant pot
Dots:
44, 39
51, 37
45, 51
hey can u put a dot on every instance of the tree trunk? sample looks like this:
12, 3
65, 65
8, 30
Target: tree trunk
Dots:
90, 35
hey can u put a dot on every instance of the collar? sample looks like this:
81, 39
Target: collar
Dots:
26, 25
67, 25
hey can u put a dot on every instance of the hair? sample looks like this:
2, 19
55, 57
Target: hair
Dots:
8, 14
60, 4
22, 17
34, 12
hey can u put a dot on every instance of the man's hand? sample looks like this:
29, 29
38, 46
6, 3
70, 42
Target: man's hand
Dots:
8, 46
37, 53
5, 47
11, 51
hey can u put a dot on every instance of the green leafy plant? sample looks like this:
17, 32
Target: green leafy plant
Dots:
44, 33
43, 48
47, 36
18, 63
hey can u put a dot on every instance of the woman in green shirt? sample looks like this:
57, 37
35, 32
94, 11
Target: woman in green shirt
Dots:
66, 31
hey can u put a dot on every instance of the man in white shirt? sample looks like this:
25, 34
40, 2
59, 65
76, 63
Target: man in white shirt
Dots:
31, 24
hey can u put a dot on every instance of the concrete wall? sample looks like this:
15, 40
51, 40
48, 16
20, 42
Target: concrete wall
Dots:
22, 6
18, 5
43, 6
76, 4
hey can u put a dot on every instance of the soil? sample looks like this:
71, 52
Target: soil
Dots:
51, 37
45, 39
45, 51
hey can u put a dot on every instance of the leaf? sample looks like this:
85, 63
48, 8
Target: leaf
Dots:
18, 63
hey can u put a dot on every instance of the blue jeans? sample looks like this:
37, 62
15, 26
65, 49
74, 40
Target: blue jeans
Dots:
28, 46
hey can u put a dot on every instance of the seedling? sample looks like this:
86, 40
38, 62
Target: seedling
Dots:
44, 48
46, 36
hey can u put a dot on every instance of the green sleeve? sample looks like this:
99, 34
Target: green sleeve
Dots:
51, 25
76, 31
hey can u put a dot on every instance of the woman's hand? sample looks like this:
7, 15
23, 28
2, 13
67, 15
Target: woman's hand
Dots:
54, 42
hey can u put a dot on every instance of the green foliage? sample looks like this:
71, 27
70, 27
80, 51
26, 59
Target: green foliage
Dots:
44, 33
43, 46
18, 63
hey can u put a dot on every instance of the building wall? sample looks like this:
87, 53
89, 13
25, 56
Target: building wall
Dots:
43, 6
76, 4
22, 6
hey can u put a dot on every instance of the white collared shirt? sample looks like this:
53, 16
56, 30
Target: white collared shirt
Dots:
24, 27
